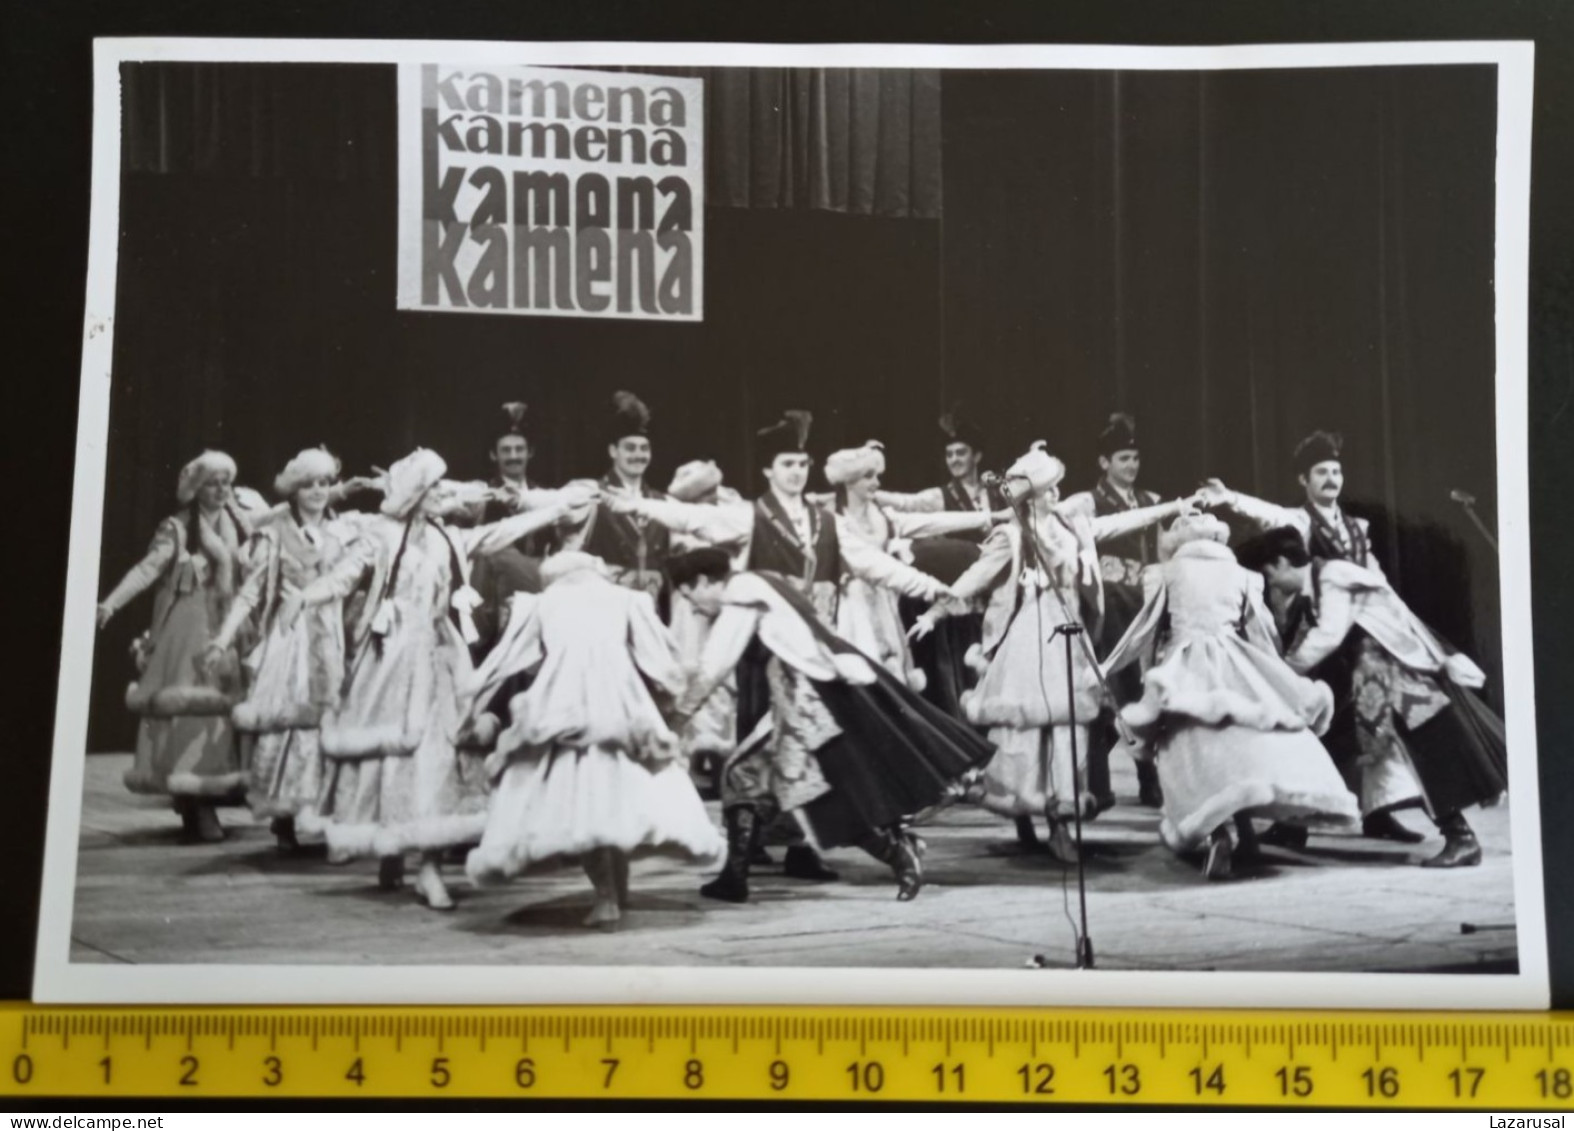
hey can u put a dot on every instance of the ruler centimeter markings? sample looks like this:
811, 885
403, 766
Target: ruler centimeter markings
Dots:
875, 1054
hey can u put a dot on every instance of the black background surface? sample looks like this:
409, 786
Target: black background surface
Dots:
48, 78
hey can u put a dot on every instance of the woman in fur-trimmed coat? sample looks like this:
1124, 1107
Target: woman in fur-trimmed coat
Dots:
1233, 727
186, 746
396, 780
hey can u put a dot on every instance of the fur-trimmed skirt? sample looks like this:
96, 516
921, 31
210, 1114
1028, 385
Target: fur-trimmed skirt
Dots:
567, 801
186, 745
869, 618
423, 793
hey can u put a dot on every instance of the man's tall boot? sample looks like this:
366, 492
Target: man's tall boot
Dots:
899, 851
1149, 793
1461, 849
732, 886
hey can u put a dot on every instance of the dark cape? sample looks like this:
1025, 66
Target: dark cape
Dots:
897, 753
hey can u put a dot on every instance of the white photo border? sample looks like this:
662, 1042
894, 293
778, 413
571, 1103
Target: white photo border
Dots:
58, 980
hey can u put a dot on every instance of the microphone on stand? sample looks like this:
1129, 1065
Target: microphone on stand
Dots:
1468, 502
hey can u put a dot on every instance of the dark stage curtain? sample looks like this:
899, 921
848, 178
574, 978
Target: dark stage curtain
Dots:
1238, 258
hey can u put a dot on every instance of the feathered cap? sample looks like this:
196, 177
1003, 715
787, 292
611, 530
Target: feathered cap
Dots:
788, 436
694, 480
1041, 470
1119, 435
409, 479
199, 471
1319, 447
307, 466
1192, 528
854, 463
957, 429
514, 414
630, 417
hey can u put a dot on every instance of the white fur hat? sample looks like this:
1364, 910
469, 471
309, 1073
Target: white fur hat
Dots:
199, 471
1041, 470
1192, 528
854, 463
311, 464
695, 480
409, 479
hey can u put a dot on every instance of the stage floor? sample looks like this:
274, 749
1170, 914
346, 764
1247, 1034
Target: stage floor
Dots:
1345, 904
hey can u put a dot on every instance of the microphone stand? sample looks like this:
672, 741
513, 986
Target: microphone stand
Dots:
1070, 629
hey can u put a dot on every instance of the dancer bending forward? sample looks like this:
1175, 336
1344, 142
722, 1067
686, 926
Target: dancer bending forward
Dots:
587, 768
1233, 728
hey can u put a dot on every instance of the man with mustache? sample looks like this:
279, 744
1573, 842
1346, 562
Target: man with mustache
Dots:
516, 569
634, 546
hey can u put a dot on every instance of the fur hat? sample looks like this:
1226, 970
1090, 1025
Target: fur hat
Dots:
854, 463
1119, 435
1319, 447
514, 412
630, 417
694, 480
409, 479
1041, 470
199, 471
958, 430
1192, 528
313, 463
788, 436
566, 562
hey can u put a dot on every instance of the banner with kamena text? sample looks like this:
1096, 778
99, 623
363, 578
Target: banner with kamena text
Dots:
533, 190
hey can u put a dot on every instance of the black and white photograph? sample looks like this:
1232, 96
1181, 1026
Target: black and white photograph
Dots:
664, 522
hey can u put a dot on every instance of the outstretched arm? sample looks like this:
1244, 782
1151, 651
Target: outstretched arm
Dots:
875, 566
1259, 512
729, 636
716, 524
919, 502
1107, 526
935, 524
161, 553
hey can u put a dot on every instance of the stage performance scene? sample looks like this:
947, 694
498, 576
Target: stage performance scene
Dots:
789, 517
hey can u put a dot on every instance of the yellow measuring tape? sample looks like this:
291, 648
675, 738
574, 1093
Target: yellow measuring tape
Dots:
1030, 1056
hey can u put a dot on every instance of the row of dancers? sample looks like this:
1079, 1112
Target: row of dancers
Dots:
529, 673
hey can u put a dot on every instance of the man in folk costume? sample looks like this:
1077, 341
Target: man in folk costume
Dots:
516, 568
1402, 696
1034, 575
1332, 534
1121, 562
634, 548
849, 749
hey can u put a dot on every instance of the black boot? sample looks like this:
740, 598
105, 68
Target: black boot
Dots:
1148, 791
1461, 849
283, 830
899, 851
1383, 826
1027, 836
1216, 860
1062, 845
804, 863
732, 886
1281, 835
1247, 846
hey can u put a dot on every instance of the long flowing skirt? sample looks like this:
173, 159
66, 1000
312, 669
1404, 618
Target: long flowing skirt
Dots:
1211, 774
567, 801
186, 755
432, 797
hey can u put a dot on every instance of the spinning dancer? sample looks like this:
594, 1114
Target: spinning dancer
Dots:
296, 671
1232, 729
850, 750
186, 745
1383, 781
1402, 696
1121, 562
1035, 573
587, 769
396, 781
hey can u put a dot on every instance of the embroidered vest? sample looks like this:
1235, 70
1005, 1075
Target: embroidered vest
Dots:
1121, 560
1324, 541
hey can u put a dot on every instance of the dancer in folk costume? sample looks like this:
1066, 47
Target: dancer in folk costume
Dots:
1384, 782
396, 781
588, 769
634, 547
1035, 573
515, 568
867, 614
1231, 728
1401, 694
186, 745
699, 510
941, 655
852, 750
295, 672
1121, 563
